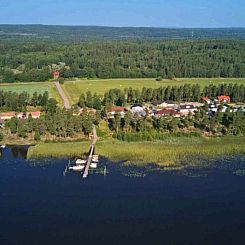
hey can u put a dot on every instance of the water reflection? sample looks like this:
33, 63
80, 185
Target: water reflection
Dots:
16, 151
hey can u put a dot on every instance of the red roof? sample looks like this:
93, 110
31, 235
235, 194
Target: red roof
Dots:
224, 98
7, 114
35, 113
170, 112
117, 109
205, 99
56, 74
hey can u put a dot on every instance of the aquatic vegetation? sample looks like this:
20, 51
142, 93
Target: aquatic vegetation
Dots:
59, 150
239, 172
177, 152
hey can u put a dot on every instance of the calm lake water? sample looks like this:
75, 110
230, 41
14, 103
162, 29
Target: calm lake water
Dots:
38, 205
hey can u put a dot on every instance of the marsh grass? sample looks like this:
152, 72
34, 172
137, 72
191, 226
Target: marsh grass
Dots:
173, 152
58, 150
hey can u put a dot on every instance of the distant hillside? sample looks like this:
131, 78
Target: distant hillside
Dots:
83, 33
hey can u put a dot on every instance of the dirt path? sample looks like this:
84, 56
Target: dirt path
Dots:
63, 95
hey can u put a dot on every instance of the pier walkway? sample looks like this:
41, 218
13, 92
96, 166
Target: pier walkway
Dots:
92, 147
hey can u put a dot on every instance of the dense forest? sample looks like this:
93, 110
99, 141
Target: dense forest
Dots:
31, 33
122, 59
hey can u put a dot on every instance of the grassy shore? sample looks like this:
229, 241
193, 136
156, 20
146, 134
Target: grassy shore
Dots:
73, 89
58, 150
171, 152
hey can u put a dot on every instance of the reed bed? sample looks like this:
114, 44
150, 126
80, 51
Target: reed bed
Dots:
58, 150
171, 153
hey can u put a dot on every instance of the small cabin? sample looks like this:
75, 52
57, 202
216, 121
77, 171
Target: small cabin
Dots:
224, 98
56, 74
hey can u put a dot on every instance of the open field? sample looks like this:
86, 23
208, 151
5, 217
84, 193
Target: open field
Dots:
74, 88
173, 151
39, 87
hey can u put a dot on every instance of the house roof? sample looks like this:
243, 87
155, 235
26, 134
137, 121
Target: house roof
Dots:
224, 97
189, 107
170, 112
35, 113
206, 99
136, 105
117, 109
7, 114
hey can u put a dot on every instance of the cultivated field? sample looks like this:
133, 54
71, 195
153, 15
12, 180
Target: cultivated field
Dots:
38, 87
74, 88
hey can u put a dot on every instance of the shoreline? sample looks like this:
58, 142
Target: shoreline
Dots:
171, 152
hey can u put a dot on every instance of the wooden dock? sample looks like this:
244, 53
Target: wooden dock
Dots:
91, 152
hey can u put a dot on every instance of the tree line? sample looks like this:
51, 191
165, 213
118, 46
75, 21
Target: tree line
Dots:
184, 93
14, 101
25, 62
135, 128
56, 122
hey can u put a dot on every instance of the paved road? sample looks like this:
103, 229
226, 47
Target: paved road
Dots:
63, 95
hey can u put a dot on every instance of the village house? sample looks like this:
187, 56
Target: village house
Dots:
7, 115
165, 104
56, 74
167, 112
114, 110
34, 114
224, 98
186, 109
206, 99
136, 108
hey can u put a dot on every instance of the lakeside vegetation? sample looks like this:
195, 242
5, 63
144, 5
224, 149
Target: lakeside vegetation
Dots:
58, 150
173, 151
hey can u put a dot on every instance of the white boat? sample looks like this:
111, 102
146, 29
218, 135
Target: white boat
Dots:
93, 165
3, 146
77, 168
95, 160
80, 161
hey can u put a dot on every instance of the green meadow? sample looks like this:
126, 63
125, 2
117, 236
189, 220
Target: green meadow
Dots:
39, 87
74, 88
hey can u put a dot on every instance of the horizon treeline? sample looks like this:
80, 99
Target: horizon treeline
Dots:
25, 62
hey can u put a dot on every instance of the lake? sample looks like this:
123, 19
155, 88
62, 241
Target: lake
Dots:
130, 205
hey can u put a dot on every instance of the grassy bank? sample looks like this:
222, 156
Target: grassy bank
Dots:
58, 150
74, 88
172, 151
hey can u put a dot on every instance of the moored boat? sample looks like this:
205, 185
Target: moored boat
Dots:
93, 165
80, 161
77, 168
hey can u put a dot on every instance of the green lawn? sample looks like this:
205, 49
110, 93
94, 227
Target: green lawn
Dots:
74, 88
39, 87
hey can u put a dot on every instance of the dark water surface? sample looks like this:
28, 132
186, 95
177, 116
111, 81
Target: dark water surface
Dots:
38, 205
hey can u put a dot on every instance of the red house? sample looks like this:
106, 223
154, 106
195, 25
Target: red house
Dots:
56, 74
167, 112
206, 99
224, 98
